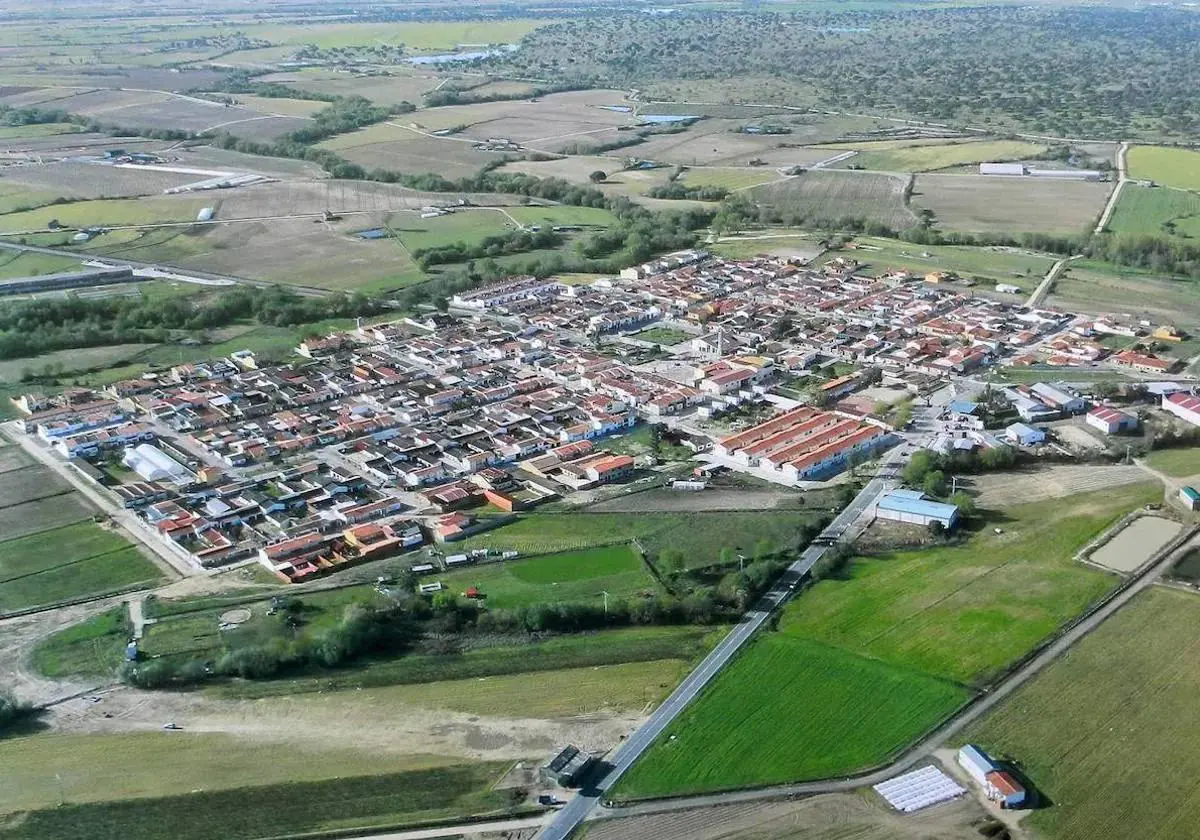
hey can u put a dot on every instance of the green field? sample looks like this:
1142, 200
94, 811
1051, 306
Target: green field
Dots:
420, 36
1156, 211
700, 536
27, 132
327, 803
1007, 265
92, 577
468, 226
571, 576
663, 335
104, 212
780, 713
562, 215
1089, 286
728, 178
15, 197
1171, 167
91, 648
1179, 463
1113, 716
27, 264
880, 654
944, 156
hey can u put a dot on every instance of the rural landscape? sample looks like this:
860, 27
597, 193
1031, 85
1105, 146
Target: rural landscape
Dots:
502, 420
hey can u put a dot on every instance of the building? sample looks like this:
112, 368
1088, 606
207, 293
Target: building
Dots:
1022, 435
1008, 289
1189, 497
1003, 788
1184, 406
152, 464
1144, 362
1001, 169
977, 765
913, 507
1069, 174
1058, 397
1111, 421
568, 768
68, 280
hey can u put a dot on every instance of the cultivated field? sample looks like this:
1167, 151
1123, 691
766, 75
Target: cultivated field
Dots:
561, 215
278, 106
979, 204
25, 264
18, 520
1156, 211
1087, 286
468, 226
779, 714
1170, 167
715, 142
831, 195
419, 36
1116, 712
729, 178
999, 490
928, 158
1008, 265
44, 182
393, 146
107, 212
395, 86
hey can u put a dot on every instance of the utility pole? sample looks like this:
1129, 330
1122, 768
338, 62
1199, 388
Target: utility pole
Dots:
604, 592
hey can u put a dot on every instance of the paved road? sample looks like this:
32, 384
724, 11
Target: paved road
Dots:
584, 802
459, 830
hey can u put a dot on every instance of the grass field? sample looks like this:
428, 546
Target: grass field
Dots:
779, 714
325, 803
864, 663
830, 195
25, 132
106, 212
94, 576
469, 226
663, 335
562, 215
26, 264
1179, 463
94, 647
420, 36
1156, 211
18, 520
1003, 264
980, 204
280, 105
571, 576
1113, 714
1171, 167
944, 156
1089, 286
729, 178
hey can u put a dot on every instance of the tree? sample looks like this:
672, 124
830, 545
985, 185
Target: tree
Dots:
964, 503
935, 484
672, 560
598, 177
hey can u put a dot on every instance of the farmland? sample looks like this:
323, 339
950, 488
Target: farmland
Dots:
469, 226
421, 36
392, 146
831, 195
944, 155
1178, 168
106, 213
939, 622
1156, 211
980, 204
1004, 264
1115, 712
1178, 463
91, 648
779, 714
562, 215
27, 264
1089, 286
728, 178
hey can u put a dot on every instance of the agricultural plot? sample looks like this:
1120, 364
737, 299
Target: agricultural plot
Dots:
469, 226
562, 215
1088, 286
575, 168
280, 107
779, 714
1178, 168
715, 142
31, 484
392, 146
419, 36
927, 158
830, 195
1005, 264
24, 132
979, 204
27, 264
1156, 211
106, 213
571, 576
30, 517
1116, 712
905, 635
45, 182
394, 86
206, 157
729, 178
1178, 463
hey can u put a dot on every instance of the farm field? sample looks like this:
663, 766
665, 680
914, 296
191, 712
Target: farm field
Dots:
395, 86
469, 226
571, 576
420, 36
280, 106
106, 213
27, 264
388, 146
1007, 265
41, 183
829, 195
940, 622
979, 204
1178, 463
729, 178
999, 490
1116, 710
928, 158
60, 564
1156, 211
1178, 168
1089, 286
805, 245
325, 803
18, 520
700, 536
92, 648
23, 132
562, 215
780, 713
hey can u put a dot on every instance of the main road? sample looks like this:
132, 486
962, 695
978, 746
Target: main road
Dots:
578, 809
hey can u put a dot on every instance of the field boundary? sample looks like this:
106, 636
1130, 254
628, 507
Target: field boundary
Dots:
83, 599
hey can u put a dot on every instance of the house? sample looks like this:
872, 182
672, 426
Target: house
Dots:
1145, 362
1111, 421
568, 768
1189, 497
1023, 435
610, 469
913, 507
1184, 406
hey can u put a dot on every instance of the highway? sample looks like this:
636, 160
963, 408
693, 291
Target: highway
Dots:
586, 800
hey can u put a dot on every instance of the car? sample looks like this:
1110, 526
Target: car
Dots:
172, 726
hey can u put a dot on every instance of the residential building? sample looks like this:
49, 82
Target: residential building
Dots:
1185, 406
1023, 435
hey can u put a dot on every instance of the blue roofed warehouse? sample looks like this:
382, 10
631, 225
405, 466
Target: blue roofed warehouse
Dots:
913, 507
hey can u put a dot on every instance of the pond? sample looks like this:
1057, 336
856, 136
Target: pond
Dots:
1136, 543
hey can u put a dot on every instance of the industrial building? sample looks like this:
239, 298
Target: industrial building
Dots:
67, 280
1022, 435
913, 507
1001, 169
568, 768
1184, 406
998, 785
1111, 421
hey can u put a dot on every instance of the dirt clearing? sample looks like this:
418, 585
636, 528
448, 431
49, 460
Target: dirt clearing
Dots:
862, 816
1003, 489
670, 500
1135, 544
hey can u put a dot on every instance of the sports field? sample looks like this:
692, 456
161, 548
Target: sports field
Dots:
944, 156
663, 335
865, 662
1112, 717
1171, 167
1156, 211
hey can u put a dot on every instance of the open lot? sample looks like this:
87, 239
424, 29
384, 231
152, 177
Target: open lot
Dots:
1170, 167
1088, 286
1115, 713
981, 204
74, 180
1007, 265
830, 195
905, 635
1136, 543
1156, 211
926, 158
999, 490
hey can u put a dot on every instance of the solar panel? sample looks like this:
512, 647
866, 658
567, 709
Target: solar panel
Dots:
919, 789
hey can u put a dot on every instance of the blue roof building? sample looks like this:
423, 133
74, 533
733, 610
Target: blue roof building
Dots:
913, 507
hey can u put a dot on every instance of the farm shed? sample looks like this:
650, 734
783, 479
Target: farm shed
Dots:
1023, 435
977, 765
1003, 788
912, 507
1069, 174
1111, 421
1184, 406
568, 767
1189, 497
152, 464
919, 789
1001, 169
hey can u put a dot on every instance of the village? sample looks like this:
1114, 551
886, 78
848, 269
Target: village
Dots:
430, 429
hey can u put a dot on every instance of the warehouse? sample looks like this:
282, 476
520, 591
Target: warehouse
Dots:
152, 464
568, 768
1184, 406
1111, 421
1001, 169
913, 507
1023, 435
